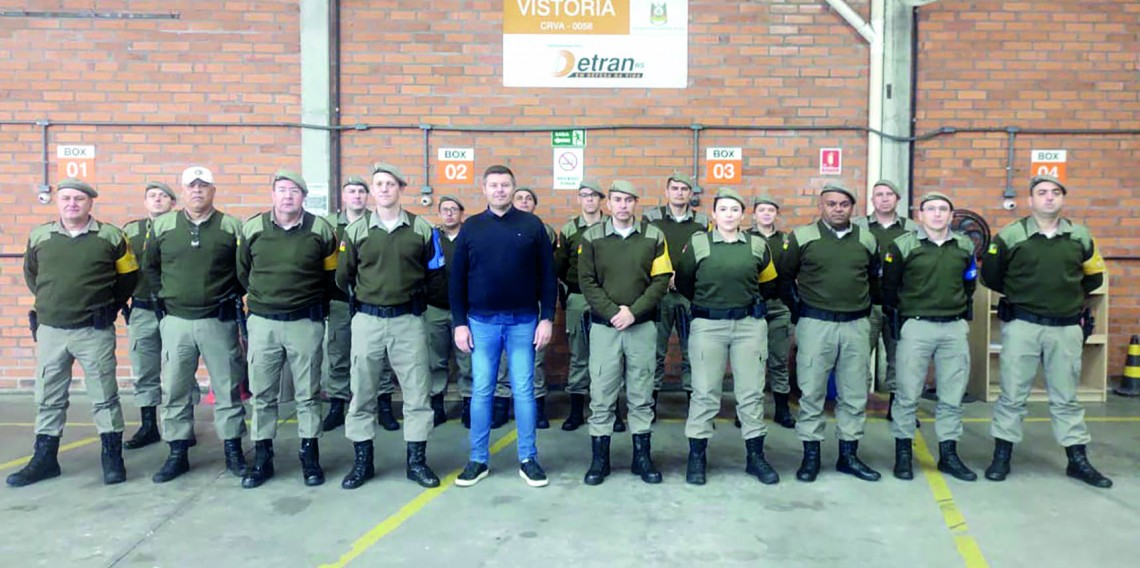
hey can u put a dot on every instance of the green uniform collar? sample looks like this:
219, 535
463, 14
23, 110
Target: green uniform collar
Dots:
403, 219
92, 226
718, 238
667, 213
610, 230
1064, 226
873, 220
580, 221
850, 229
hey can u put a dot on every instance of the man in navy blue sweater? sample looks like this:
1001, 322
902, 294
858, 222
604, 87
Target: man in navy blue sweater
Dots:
502, 271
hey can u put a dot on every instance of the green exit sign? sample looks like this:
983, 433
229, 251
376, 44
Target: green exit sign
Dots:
568, 138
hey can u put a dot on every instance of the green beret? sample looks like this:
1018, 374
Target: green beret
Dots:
592, 186
533, 195
835, 187
765, 200
935, 196
1043, 178
293, 177
728, 193
392, 170
161, 186
78, 185
890, 184
354, 180
678, 176
623, 186
446, 198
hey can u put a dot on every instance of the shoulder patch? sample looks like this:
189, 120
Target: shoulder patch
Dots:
805, 234
701, 219
654, 214
133, 228
1013, 234
702, 246
421, 227
231, 224
592, 234
759, 246
652, 232
111, 233
863, 222
323, 228
253, 226
39, 234
867, 239
570, 228
165, 222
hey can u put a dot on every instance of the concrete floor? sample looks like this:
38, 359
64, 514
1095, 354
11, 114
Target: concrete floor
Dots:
1037, 518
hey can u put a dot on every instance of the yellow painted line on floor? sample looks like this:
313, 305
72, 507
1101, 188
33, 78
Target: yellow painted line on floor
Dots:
412, 507
63, 448
951, 515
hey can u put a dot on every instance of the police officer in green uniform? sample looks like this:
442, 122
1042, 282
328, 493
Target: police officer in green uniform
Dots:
437, 318
577, 314
728, 276
830, 272
679, 221
338, 333
624, 270
929, 277
523, 199
191, 258
765, 212
384, 259
1046, 266
142, 326
286, 261
886, 225
80, 271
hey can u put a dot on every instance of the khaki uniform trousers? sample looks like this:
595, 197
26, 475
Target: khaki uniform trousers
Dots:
146, 356
825, 346
274, 346
215, 341
666, 323
399, 343
617, 359
713, 344
578, 376
1024, 348
946, 343
890, 344
56, 350
441, 349
338, 352
779, 346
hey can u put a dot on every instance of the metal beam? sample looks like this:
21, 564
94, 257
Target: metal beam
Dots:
316, 104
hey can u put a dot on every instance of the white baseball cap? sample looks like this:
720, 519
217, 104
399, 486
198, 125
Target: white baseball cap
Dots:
193, 173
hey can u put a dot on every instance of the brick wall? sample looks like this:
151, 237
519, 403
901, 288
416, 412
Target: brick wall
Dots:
1058, 65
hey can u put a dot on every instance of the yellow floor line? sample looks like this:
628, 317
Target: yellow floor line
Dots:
63, 448
412, 507
951, 515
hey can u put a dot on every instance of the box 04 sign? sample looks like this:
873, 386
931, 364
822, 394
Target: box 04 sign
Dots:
1049, 163
596, 43
456, 166
76, 162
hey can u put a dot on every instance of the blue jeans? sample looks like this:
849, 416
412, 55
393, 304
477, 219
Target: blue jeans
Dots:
491, 335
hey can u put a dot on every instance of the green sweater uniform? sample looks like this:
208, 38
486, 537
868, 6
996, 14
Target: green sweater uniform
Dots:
137, 232
1048, 276
73, 277
677, 233
339, 221
193, 264
437, 280
924, 279
717, 274
567, 249
885, 235
285, 270
832, 273
628, 271
385, 268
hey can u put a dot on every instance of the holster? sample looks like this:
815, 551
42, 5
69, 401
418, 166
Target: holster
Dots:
103, 318
33, 323
585, 324
1088, 322
684, 319
1005, 310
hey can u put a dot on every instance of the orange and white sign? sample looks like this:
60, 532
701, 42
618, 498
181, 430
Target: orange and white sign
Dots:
1048, 163
723, 165
456, 166
596, 43
830, 161
76, 162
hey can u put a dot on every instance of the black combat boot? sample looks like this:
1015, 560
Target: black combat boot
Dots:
540, 420
643, 461
310, 455
904, 458
999, 467
756, 465
384, 416
43, 465
177, 463
783, 415
809, 466
1080, 468
500, 412
600, 462
262, 469
850, 463
362, 467
235, 456
619, 424
438, 410
148, 431
418, 469
335, 418
698, 461
576, 417
950, 463
112, 457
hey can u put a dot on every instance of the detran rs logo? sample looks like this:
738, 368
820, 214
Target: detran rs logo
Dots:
595, 66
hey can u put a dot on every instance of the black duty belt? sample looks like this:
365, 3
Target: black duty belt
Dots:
937, 319
1025, 315
828, 315
409, 308
573, 288
315, 312
141, 304
757, 311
